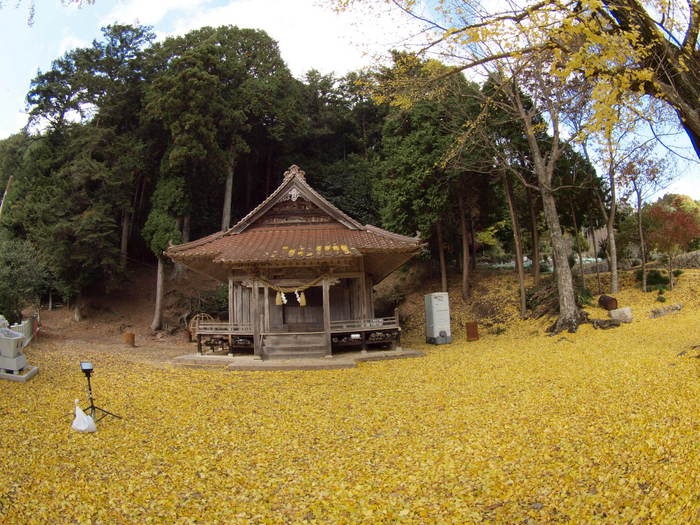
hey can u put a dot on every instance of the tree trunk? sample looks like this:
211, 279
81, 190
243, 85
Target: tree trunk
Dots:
612, 250
535, 239
183, 225
670, 271
228, 195
578, 245
441, 257
595, 254
609, 216
137, 203
544, 164
466, 263
642, 247
4, 195
472, 236
78, 309
518, 244
569, 315
124, 241
157, 322
186, 222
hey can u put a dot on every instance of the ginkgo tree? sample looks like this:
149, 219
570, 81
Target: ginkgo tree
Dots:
647, 47
549, 49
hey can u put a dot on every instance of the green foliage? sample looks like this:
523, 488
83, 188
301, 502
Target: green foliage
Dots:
417, 186
22, 277
63, 202
222, 98
654, 277
161, 125
488, 236
583, 295
160, 231
214, 303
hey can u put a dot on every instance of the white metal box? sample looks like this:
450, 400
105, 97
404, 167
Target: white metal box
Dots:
437, 318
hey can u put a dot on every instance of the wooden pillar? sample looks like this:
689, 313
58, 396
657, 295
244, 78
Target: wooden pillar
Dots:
237, 308
364, 310
327, 315
231, 306
230, 314
266, 310
255, 303
397, 343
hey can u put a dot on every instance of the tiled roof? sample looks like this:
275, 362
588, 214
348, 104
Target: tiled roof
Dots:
327, 234
289, 244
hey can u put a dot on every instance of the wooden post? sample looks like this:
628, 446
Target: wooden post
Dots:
472, 331
255, 300
266, 310
237, 303
230, 300
363, 291
397, 343
327, 316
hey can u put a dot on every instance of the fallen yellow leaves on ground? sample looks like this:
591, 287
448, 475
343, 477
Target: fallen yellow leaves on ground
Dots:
592, 427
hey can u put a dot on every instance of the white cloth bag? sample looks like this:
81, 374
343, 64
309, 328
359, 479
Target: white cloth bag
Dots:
83, 422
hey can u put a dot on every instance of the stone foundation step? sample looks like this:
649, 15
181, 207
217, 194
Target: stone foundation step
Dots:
293, 345
293, 354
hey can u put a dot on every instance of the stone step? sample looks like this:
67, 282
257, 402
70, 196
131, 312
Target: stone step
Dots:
294, 353
293, 345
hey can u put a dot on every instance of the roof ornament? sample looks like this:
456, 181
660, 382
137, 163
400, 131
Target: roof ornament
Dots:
294, 194
294, 171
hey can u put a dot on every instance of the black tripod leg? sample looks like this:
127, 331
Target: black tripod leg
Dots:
105, 413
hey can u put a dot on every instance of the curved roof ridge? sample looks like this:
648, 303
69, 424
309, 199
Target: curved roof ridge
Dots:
294, 177
197, 242
387, 233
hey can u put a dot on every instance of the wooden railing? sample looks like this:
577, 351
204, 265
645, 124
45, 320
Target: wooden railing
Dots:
365, 324
223, 328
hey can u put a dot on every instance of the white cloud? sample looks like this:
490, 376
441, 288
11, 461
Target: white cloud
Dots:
12, 123
148, 13
309, 35
69, 42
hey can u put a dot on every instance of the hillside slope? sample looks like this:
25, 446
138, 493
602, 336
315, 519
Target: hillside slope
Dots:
493, 304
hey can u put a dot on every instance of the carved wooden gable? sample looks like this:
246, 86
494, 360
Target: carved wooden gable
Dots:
293, 209
294, 203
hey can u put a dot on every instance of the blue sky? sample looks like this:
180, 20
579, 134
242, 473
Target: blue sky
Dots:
310, 35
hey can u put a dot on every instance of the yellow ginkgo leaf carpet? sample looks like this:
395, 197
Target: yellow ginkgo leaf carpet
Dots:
600, 426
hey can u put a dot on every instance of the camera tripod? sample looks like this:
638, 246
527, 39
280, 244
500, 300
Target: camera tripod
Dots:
92, 409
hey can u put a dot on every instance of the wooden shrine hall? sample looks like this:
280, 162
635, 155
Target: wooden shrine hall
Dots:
300, 276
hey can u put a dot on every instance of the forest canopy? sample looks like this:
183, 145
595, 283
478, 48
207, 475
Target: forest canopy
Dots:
133, 144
